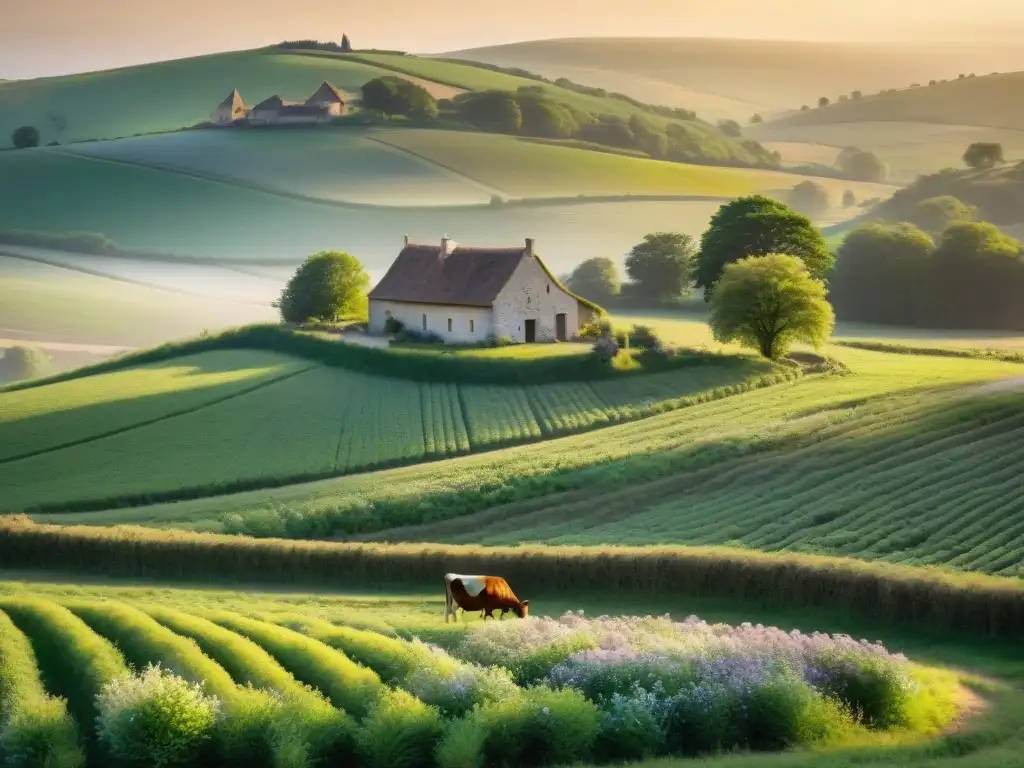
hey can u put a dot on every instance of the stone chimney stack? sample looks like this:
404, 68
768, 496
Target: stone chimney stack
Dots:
529, 247
406, 241
444, 246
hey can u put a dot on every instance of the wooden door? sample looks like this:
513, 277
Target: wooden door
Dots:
531, 331
560, 333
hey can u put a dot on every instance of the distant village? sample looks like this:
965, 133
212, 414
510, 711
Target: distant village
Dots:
326, 104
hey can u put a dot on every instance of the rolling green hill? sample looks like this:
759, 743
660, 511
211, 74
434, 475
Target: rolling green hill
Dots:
736, 78
267, 421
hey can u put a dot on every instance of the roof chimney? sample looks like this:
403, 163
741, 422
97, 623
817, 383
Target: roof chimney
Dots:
406, 241
529, 247
444, 246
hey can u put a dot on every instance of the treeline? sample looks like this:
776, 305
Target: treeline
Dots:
996, 192
970, 275
530, 111
954, 602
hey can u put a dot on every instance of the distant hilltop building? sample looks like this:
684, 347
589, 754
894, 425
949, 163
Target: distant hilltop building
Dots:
324, 105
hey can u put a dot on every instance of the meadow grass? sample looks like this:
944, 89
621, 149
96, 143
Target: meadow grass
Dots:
63, 305
528, 169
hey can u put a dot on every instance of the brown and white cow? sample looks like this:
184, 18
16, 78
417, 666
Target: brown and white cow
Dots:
480, 593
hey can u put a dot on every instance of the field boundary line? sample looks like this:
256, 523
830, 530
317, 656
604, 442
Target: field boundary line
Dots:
158, 419
462, 175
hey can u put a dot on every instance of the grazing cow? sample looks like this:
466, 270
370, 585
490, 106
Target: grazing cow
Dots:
480, 593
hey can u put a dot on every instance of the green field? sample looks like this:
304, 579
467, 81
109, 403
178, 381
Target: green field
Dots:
735, 78
909, 148
164, 212
356, 649
51, 303
381, 501
110, 435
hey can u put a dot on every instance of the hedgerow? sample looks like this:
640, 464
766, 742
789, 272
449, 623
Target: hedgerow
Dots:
969, 603
36, 730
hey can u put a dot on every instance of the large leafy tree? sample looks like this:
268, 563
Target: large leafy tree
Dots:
983, 154
769, 303
936, 214
661, 266
596, 279
392, 96
328, 286
491, 110
757, 226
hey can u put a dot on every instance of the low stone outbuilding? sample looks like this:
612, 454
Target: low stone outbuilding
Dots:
326, 103
466, 295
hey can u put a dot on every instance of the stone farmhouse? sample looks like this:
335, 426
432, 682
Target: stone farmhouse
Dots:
467, 295
324, 105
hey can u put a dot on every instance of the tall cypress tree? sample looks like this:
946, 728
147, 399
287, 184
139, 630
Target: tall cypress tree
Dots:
346, 45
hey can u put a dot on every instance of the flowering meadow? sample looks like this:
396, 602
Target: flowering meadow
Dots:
146, 685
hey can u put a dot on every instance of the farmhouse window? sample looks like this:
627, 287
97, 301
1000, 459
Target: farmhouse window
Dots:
424, 322
449, 325
549, 287
471, 328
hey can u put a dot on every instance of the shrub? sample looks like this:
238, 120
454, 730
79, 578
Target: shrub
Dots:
499, 341
643, 337
596, 329
25, 137
456, 691
605, 350
393, 325
18, 363
632, 727
538, 727
244, 734
156, 719
877, 692
400, 732
305, 734
413, 336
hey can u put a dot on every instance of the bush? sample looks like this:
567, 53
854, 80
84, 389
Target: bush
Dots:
605, 350
412, 336
244, 734
400, 732
596, 329
393, 325
538, 727
644, 337
305, 735
632, 727
25, 137
19, 363
156, 720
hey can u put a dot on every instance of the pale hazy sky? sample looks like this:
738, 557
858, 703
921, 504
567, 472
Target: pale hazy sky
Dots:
60, 36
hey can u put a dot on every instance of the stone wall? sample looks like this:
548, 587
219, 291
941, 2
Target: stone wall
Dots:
468, 324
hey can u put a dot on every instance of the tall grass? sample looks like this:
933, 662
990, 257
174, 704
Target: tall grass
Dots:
36, 730
971, 603
353, 688
75, 662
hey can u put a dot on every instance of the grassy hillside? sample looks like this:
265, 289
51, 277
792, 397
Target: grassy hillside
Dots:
707, 432
998, 193
424, 168
735, 78
164, 212
986, 101
909, 149
42, 301
224, 429
165, 96
279, 641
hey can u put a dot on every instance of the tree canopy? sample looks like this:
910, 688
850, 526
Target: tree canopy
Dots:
809, 198
329, 286
730, 128
596, 279
983, 155
397, 96
26, 137
935, 214
490, 110
757, 226
769, 303
661, 266
862, 166
18, 363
